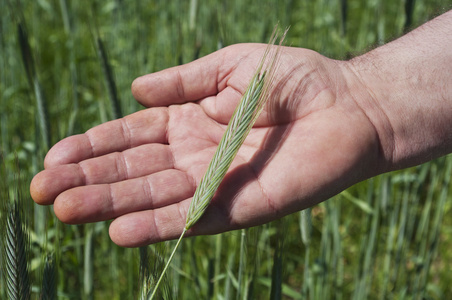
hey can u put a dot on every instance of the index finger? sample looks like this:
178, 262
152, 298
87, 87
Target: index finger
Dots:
146, 126
199, 79
180, 84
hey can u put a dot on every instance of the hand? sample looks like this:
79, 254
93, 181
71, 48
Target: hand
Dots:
311, 141
328, 125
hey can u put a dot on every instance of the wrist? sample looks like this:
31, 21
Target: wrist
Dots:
404, 89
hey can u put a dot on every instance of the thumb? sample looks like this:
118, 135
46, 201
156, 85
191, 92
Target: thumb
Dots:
190, 82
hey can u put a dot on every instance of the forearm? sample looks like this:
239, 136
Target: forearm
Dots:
408, 94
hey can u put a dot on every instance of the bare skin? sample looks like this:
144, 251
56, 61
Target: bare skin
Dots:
328, 125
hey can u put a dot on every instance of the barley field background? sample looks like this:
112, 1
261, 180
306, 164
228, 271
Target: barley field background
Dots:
66, 66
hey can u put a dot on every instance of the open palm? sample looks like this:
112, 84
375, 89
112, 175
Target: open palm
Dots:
311, 141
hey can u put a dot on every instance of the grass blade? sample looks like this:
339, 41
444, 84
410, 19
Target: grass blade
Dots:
240, 279
88, 267
277, 271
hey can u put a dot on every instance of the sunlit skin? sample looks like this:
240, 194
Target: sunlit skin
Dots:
328, 125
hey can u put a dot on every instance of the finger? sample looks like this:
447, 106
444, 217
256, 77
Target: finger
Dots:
222, 106
114, 167
237, 204
151, 226
106, 201
146, 126
180, 84
197, 80
46, 185
147, 227
166, 223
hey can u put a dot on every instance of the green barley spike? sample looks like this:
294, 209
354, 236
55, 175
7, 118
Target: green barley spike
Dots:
16, 245
233, 138
243, 119
48, 288
238, 128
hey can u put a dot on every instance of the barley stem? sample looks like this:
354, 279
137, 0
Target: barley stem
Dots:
240, 124
167, 264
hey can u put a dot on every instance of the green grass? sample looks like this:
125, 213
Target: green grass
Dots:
60, 74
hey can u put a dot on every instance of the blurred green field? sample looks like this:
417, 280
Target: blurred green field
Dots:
66, 66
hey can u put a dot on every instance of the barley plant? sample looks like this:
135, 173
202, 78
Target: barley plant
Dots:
15, 243
66, 66
242, 120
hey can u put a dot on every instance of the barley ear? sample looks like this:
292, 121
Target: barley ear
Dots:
14, 240
16, 247
244, 117
110, 82
35, 85
49, 279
